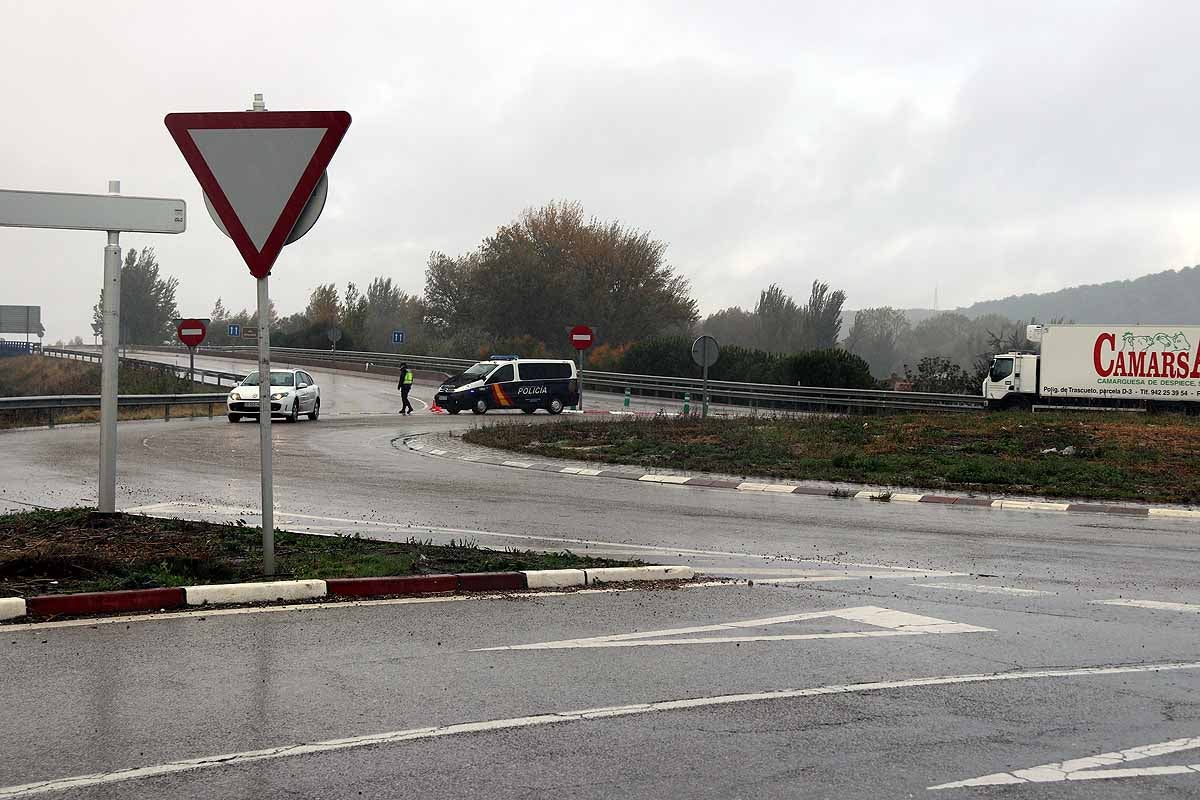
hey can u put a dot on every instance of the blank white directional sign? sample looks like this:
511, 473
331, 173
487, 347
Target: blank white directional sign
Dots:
91, 212
866, 622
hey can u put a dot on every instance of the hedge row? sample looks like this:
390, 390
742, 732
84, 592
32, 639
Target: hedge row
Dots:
671, 355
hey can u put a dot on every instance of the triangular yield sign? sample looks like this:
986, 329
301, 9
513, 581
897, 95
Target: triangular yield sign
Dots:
258, 169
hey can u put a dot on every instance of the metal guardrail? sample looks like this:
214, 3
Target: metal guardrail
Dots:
61, 402
765, 396
216, 377
12, 348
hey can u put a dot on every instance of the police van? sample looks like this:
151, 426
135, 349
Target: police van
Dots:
509, 382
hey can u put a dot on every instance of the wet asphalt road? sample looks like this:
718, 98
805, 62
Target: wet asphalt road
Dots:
1008, 593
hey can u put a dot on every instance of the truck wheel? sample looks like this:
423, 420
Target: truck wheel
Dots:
235, 417
555, 406
480, 406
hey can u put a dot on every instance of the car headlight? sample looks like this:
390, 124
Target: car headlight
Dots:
235, 395
279, 395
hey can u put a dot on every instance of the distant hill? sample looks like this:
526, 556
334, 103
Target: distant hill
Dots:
1171, 296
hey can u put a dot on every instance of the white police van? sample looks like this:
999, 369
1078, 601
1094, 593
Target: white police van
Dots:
510, 382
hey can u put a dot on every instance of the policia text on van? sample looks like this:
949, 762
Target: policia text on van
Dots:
527, 384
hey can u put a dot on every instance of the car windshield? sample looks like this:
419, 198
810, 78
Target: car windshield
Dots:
277, 379
480, 369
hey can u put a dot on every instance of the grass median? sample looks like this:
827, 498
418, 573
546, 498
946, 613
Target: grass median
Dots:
70, 550
1103, 456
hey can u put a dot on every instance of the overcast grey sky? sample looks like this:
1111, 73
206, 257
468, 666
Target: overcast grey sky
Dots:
990, 148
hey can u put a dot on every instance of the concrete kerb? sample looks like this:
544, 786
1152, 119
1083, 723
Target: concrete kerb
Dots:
91, 603
857, 493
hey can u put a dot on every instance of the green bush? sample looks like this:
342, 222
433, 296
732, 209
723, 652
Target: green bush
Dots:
671, 355
830, 368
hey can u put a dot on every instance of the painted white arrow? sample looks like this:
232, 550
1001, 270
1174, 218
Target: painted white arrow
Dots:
1092, 768
885, 622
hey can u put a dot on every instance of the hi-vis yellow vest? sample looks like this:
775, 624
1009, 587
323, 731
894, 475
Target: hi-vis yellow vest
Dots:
408, 377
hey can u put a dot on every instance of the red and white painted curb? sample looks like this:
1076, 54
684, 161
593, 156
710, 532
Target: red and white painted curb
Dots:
270, 591
877, 495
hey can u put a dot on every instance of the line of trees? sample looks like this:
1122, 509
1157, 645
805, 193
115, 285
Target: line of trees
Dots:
523, 287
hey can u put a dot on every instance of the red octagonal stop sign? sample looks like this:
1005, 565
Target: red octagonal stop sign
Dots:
581, 337
191, 331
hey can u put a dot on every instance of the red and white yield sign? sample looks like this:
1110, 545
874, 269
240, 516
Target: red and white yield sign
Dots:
582, 337
191, 331
258, 169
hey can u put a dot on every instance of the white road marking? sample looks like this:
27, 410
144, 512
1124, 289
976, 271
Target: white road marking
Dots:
887, 621
983, 588
1086, 769
1158, 605
582, 715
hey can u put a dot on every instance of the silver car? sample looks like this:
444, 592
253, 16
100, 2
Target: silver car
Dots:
293, 392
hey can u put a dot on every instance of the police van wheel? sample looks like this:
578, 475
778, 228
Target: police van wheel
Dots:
480, 406
556, 406
528, 410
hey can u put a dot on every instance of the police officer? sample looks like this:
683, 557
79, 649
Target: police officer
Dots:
405, 386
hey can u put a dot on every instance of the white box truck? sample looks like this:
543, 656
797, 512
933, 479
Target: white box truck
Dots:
1147, 366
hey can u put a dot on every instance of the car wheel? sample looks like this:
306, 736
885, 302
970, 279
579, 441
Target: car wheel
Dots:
528, 410
555, 406
453, 410
316, 412
235, 417
295, 413
480, 406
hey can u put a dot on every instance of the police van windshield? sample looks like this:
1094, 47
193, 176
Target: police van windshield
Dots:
479, 370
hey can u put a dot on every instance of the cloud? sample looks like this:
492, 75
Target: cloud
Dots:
885, 148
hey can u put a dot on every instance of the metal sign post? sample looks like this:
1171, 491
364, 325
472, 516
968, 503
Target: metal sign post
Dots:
110, 366
262, 173
705, 352
335, 336
264, 426
112, 214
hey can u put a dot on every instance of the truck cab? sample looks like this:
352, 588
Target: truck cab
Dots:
1012, 380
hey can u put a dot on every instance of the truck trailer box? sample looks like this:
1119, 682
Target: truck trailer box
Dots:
1119, 362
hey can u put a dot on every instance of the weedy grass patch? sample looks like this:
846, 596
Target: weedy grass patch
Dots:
1139, 457
71, 550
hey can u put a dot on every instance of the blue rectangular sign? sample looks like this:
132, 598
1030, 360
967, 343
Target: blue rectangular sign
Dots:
397, 337
235, 331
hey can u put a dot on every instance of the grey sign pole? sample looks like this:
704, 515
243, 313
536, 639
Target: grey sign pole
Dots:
705, 352
264, 427
106, 500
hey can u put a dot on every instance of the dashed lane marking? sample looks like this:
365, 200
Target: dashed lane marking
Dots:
884, 621
1157, 605
1091, 767
238, 759
984, 589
